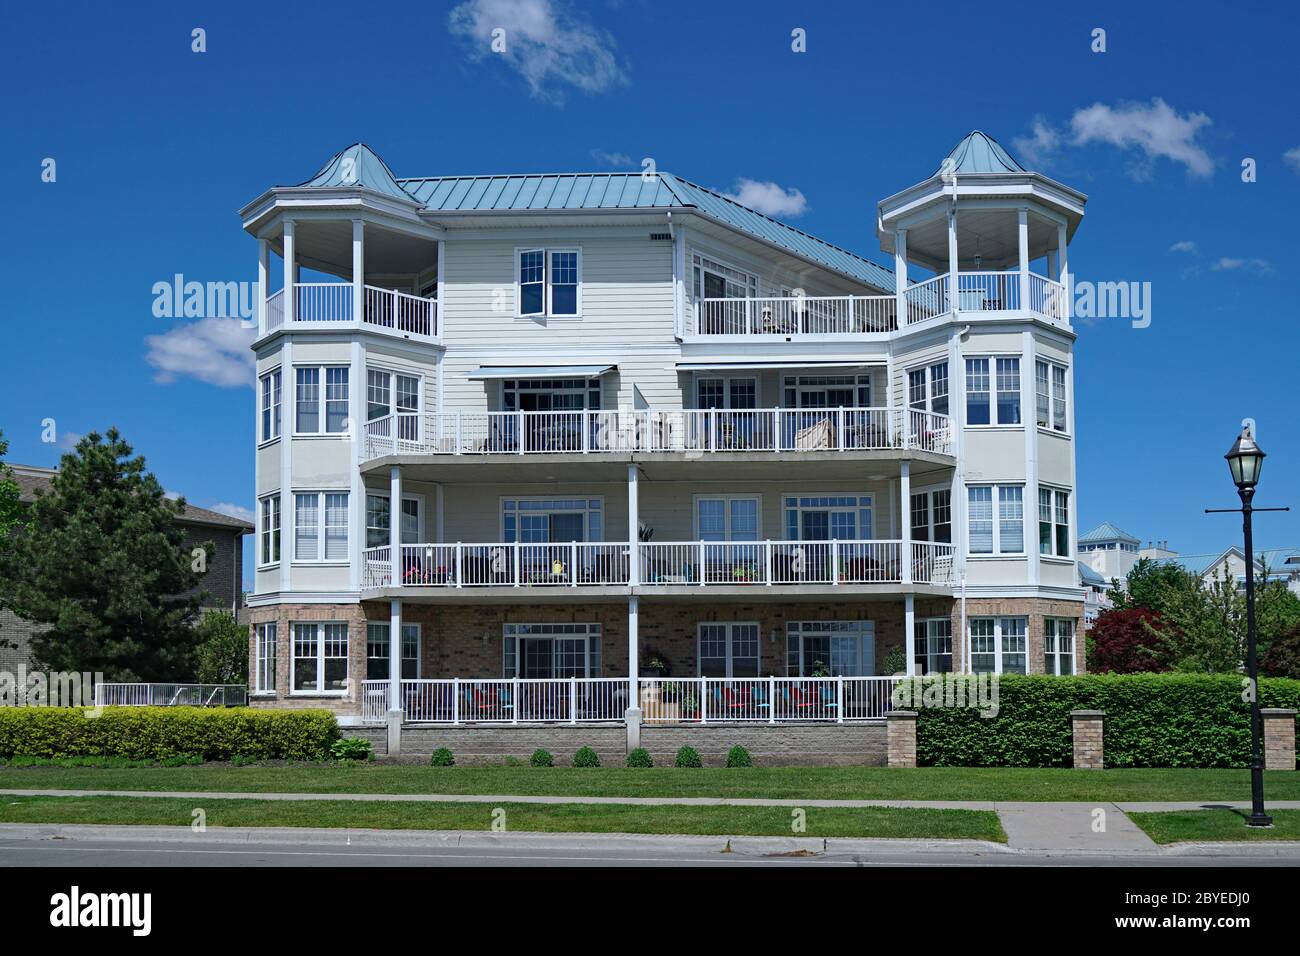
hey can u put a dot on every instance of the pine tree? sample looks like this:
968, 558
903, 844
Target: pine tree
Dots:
103, 563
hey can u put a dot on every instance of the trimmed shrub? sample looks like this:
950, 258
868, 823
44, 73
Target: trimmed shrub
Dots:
1152, 720
442, 757
586, 757
640, 757
542, 758
688, 757
739, 757
165, 733
351, 748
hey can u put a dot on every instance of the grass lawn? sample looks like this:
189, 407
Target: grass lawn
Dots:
862, 783
1205, 826
888, 822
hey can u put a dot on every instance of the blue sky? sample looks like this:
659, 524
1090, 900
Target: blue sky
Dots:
157, 147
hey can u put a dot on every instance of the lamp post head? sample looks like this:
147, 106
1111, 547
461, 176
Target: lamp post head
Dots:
1245, 460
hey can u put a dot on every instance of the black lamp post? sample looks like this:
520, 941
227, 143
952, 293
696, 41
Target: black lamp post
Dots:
1245, 460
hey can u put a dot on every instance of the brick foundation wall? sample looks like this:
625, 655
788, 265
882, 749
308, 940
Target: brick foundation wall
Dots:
782, 745
1036, 610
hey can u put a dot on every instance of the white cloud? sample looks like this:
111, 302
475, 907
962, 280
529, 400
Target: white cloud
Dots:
1036, 148
68, 440
234, 510
1156, 129
605, 158
549, 46
1184, 245
1232, 264
1292, 158
212, 350
769, 198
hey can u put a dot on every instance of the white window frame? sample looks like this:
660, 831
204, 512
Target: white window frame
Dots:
270, 406
729, 641
796, 632
930, 512
322, 401
927, 373
726, 515
856, 382
320, 658
1058, 518
322, 526
1056, 395
514, 632
267, 650
927, 630
1053, 654
869, 507
548, 311
702, 262
586, 512
727, 381
997, 518
408, 419
417, 500
1000, 652
408, 628
991, 373
269, 532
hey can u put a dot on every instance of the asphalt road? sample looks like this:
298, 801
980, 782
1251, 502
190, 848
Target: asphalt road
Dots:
598, 852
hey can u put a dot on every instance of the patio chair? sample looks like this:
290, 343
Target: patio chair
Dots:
486, 703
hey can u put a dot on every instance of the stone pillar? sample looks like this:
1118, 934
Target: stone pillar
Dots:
1279, 737
1089, 751
394, 722
900, 735
633, 717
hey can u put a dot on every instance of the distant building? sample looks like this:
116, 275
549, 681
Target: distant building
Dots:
1108, 551
1271, 564
222, 584
1096, 594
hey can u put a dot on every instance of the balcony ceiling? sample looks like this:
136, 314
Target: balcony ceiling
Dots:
326, 245
993, 233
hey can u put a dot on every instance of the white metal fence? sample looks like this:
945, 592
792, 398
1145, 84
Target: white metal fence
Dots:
765, 699
333, 302
501, 701
796, 315
170, 695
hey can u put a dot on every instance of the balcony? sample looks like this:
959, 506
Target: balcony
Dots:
701, 564
790, 316
330, 305
695, 431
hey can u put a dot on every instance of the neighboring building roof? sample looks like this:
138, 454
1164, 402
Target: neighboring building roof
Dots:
30, 479
1280, 562
1107, 532
1090, 577
981, 153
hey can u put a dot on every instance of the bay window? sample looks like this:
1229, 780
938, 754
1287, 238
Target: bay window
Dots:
993, 399
269, 393
1054, 522
1049, 387
1006, 534
269, 531
264, 672
394, 394
321, 400
320, 657
927, 388
1058, 645
998, 645
320, 526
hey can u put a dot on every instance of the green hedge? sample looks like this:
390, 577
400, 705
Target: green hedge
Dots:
158, 733
1152, 720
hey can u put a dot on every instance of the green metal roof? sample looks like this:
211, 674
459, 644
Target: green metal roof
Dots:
1107, 532
1088, 576
981, 153
358, 165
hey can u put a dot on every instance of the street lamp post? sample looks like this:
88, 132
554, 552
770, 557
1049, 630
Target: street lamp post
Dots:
1245, 460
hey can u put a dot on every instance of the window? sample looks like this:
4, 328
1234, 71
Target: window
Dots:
830, 648
542, 520
827, 391
727, 393
1054, 522
980, 409
726, 518
1006, 535
270, 405
932, 515
381, 389
320, 658
377, 650
1058, 645
269, 535
309, 399
551, 650
998, 645
266, 657
933, 638
378, 531
728, 650
828, 518
927, 389
1049, 386
316, 539
549, 282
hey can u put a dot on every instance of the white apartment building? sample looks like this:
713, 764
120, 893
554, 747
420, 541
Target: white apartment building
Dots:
659, 458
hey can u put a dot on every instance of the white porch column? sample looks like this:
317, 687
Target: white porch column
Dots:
632, 717
358, 270
1067, 281
952, 263
1022, 225
905, 519
909, 632
395, 525
900, 275
263, 272
394, 677
290, 274
633, 527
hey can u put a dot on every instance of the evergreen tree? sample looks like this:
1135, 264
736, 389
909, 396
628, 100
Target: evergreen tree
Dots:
223, 649
103, 563
11, 515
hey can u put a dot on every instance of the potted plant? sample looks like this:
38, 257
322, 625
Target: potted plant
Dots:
656, 665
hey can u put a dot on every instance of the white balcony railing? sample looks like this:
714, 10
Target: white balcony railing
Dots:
503, 701
578, 564
772, 700
170, 695
332, 302
665, 430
